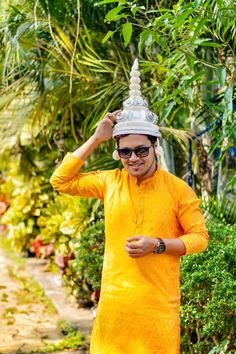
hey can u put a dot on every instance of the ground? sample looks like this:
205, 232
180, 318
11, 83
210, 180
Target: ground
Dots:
28, 320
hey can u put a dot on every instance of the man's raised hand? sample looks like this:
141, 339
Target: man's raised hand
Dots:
103, 131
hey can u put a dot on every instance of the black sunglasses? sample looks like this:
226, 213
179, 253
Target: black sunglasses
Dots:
141, 151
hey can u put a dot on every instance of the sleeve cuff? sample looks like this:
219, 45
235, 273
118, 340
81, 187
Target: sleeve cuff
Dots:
194, 243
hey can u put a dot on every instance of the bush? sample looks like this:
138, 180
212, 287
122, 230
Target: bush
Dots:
27, 200
207, 289
86, 269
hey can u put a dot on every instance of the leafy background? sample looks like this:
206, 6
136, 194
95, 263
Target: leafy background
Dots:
63, 65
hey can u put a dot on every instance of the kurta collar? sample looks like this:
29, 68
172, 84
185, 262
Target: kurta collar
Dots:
147, 182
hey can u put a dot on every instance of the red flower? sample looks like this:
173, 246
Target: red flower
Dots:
95, 295
36, 244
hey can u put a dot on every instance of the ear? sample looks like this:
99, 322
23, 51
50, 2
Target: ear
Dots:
115, 155
155, 148
160, 156
159, 151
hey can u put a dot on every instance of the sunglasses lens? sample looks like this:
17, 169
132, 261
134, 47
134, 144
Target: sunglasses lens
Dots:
142, 151
124, 153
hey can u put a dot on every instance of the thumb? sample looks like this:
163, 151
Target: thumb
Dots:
135, 238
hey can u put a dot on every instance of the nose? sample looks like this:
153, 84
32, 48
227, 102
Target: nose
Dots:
133, 157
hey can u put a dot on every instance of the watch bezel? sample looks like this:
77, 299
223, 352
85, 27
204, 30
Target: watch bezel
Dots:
160, 248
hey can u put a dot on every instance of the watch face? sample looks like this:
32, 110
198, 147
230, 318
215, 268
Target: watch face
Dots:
161, 248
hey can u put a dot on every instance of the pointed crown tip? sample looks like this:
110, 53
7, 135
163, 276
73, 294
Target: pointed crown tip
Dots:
135, 65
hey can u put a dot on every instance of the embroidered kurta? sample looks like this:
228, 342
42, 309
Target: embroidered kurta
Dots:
138, 311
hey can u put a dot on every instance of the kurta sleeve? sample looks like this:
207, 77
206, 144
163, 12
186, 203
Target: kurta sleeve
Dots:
67, 179
195, 236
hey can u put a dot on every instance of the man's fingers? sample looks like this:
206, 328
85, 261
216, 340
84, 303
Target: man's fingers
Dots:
135, 255
112, 116
135, 238
132, 245
117, 111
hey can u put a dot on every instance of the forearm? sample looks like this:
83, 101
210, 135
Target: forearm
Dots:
174, 246
87, 148
139, 246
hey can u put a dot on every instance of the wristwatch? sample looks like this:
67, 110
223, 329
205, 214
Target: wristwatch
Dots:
160, 247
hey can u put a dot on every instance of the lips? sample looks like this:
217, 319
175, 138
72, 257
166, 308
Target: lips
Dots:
135, 165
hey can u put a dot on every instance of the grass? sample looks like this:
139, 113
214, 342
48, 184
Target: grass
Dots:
73, 340
30, 292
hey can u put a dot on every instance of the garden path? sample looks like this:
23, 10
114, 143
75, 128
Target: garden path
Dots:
27, 316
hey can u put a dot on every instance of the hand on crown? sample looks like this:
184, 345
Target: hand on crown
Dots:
104, 130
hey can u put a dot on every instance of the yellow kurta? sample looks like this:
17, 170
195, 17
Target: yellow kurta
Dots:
138, 311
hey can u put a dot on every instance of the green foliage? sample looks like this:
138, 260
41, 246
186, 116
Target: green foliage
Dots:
127, 32
66, 327
68, 82
83, 275
61, 85
74, 340
189, 52
207, 291
61, 227
33, 296
223, 210
27, 200
89, 255
61, 76
59, 221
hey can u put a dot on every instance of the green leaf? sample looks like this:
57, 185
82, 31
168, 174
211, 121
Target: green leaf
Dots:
149, 39
167, 111
110, 16
228, 98
108, 35
229, 25
182, 17
122, 15
134, 9
200, 26
197, 4
221, 73
143, 37
190, 62
159, 20
186, 7
194, 78
206, 42
160, 58
127, 32
108, 2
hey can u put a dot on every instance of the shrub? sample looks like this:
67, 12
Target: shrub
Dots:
86, 268
27, 200
208, 289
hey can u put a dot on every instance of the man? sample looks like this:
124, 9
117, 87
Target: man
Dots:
151, 219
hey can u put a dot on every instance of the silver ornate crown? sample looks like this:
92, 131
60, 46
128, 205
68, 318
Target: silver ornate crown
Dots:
136, 118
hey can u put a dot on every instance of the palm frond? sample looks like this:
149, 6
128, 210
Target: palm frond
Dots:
181, 134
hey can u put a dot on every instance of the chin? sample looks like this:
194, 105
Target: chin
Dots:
135, 173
